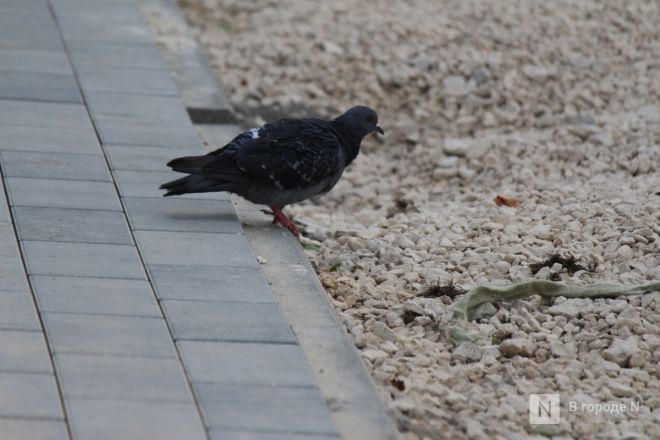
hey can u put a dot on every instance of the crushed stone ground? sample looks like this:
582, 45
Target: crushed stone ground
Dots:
552, 103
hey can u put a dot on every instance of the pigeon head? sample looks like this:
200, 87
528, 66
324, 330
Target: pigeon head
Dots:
359, 121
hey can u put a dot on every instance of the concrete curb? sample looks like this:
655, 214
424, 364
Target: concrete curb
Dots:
335, 362
342, 377
205, 101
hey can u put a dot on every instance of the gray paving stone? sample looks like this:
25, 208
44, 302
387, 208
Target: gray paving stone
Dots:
44, 114
174, 214
95, 295
17, 310
245, 363
24, 429
133, 119
94, 11
108, 335
122, 378
38, 86
16, 60
29, 24
195, 79
28, 17
23, 30
160, 112
4, 206
228, 321
138, 56
214, 136
8, 245
112, 419
54, 165
24, 352
144, 158
28, 8
249, 407
50, 193
88, 4
126, 80
12, 275
143, 184
195, 248
217, 434
94, 28
146, 184
72, 225
82, 259
29, 395
48, 139
132, 133
29, 5
210, 283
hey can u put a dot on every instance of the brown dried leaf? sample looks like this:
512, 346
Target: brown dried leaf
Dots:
507, 201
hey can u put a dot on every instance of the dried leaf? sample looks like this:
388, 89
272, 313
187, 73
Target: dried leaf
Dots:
507, 201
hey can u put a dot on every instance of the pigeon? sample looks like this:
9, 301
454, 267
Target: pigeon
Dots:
280, 163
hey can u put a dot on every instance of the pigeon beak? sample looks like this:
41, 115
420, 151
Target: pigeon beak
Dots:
380, 130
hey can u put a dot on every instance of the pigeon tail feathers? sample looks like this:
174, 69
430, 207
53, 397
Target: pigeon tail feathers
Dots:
190, 164
191, 184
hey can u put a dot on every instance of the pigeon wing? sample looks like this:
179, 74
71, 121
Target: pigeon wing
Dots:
289, 154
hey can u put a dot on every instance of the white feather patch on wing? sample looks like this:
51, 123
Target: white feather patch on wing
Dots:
254, 132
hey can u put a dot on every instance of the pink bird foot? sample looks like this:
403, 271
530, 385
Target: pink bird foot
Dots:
281, 218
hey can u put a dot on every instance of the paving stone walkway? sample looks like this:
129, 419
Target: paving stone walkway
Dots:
124, 315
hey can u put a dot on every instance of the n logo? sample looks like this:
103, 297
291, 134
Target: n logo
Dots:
544, 409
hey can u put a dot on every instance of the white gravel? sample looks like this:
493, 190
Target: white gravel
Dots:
553, 103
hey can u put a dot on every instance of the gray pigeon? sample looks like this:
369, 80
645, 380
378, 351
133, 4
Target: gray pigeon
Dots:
281, 163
